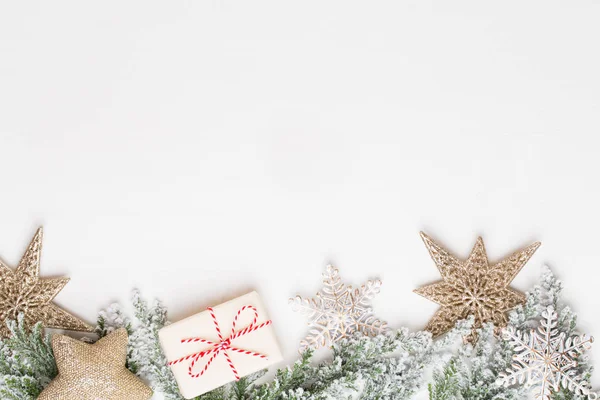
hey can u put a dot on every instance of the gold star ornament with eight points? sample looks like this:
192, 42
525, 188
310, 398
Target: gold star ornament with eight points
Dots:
473, 287
94, 371
22, 291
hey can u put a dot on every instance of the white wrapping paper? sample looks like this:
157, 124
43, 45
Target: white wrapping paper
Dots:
219, 372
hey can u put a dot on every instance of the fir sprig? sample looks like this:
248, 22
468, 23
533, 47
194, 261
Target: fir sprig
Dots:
445, 386
288, 382
26, 362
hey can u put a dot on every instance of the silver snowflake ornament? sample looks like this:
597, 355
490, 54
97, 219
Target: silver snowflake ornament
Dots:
546, 358
338, 311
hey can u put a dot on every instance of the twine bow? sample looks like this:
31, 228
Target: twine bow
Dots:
223, 345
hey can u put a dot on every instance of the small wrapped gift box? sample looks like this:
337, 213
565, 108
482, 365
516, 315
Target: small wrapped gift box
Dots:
220, 345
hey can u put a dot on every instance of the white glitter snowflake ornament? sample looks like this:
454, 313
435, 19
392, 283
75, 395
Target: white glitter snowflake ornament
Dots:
546, 359
338, 311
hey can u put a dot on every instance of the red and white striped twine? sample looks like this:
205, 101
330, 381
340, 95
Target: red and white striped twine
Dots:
224, 345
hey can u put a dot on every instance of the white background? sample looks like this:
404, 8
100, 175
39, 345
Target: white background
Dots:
198, 150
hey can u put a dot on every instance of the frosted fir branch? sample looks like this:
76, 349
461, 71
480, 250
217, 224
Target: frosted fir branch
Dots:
288, 382
445, 386
472, 370
365, 365
387, 366
26, 362
383, 367
111, 319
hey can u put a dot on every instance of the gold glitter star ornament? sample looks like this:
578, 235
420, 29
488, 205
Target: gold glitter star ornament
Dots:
473, 286
94, 371
22, 291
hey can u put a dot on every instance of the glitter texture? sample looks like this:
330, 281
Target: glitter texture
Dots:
22, 291
473, 287
338, 311
546, 358
94, 371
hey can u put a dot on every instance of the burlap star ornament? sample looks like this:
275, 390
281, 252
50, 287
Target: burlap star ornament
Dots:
94, 371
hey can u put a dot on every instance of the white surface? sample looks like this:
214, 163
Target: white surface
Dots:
199, 150
202, 326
